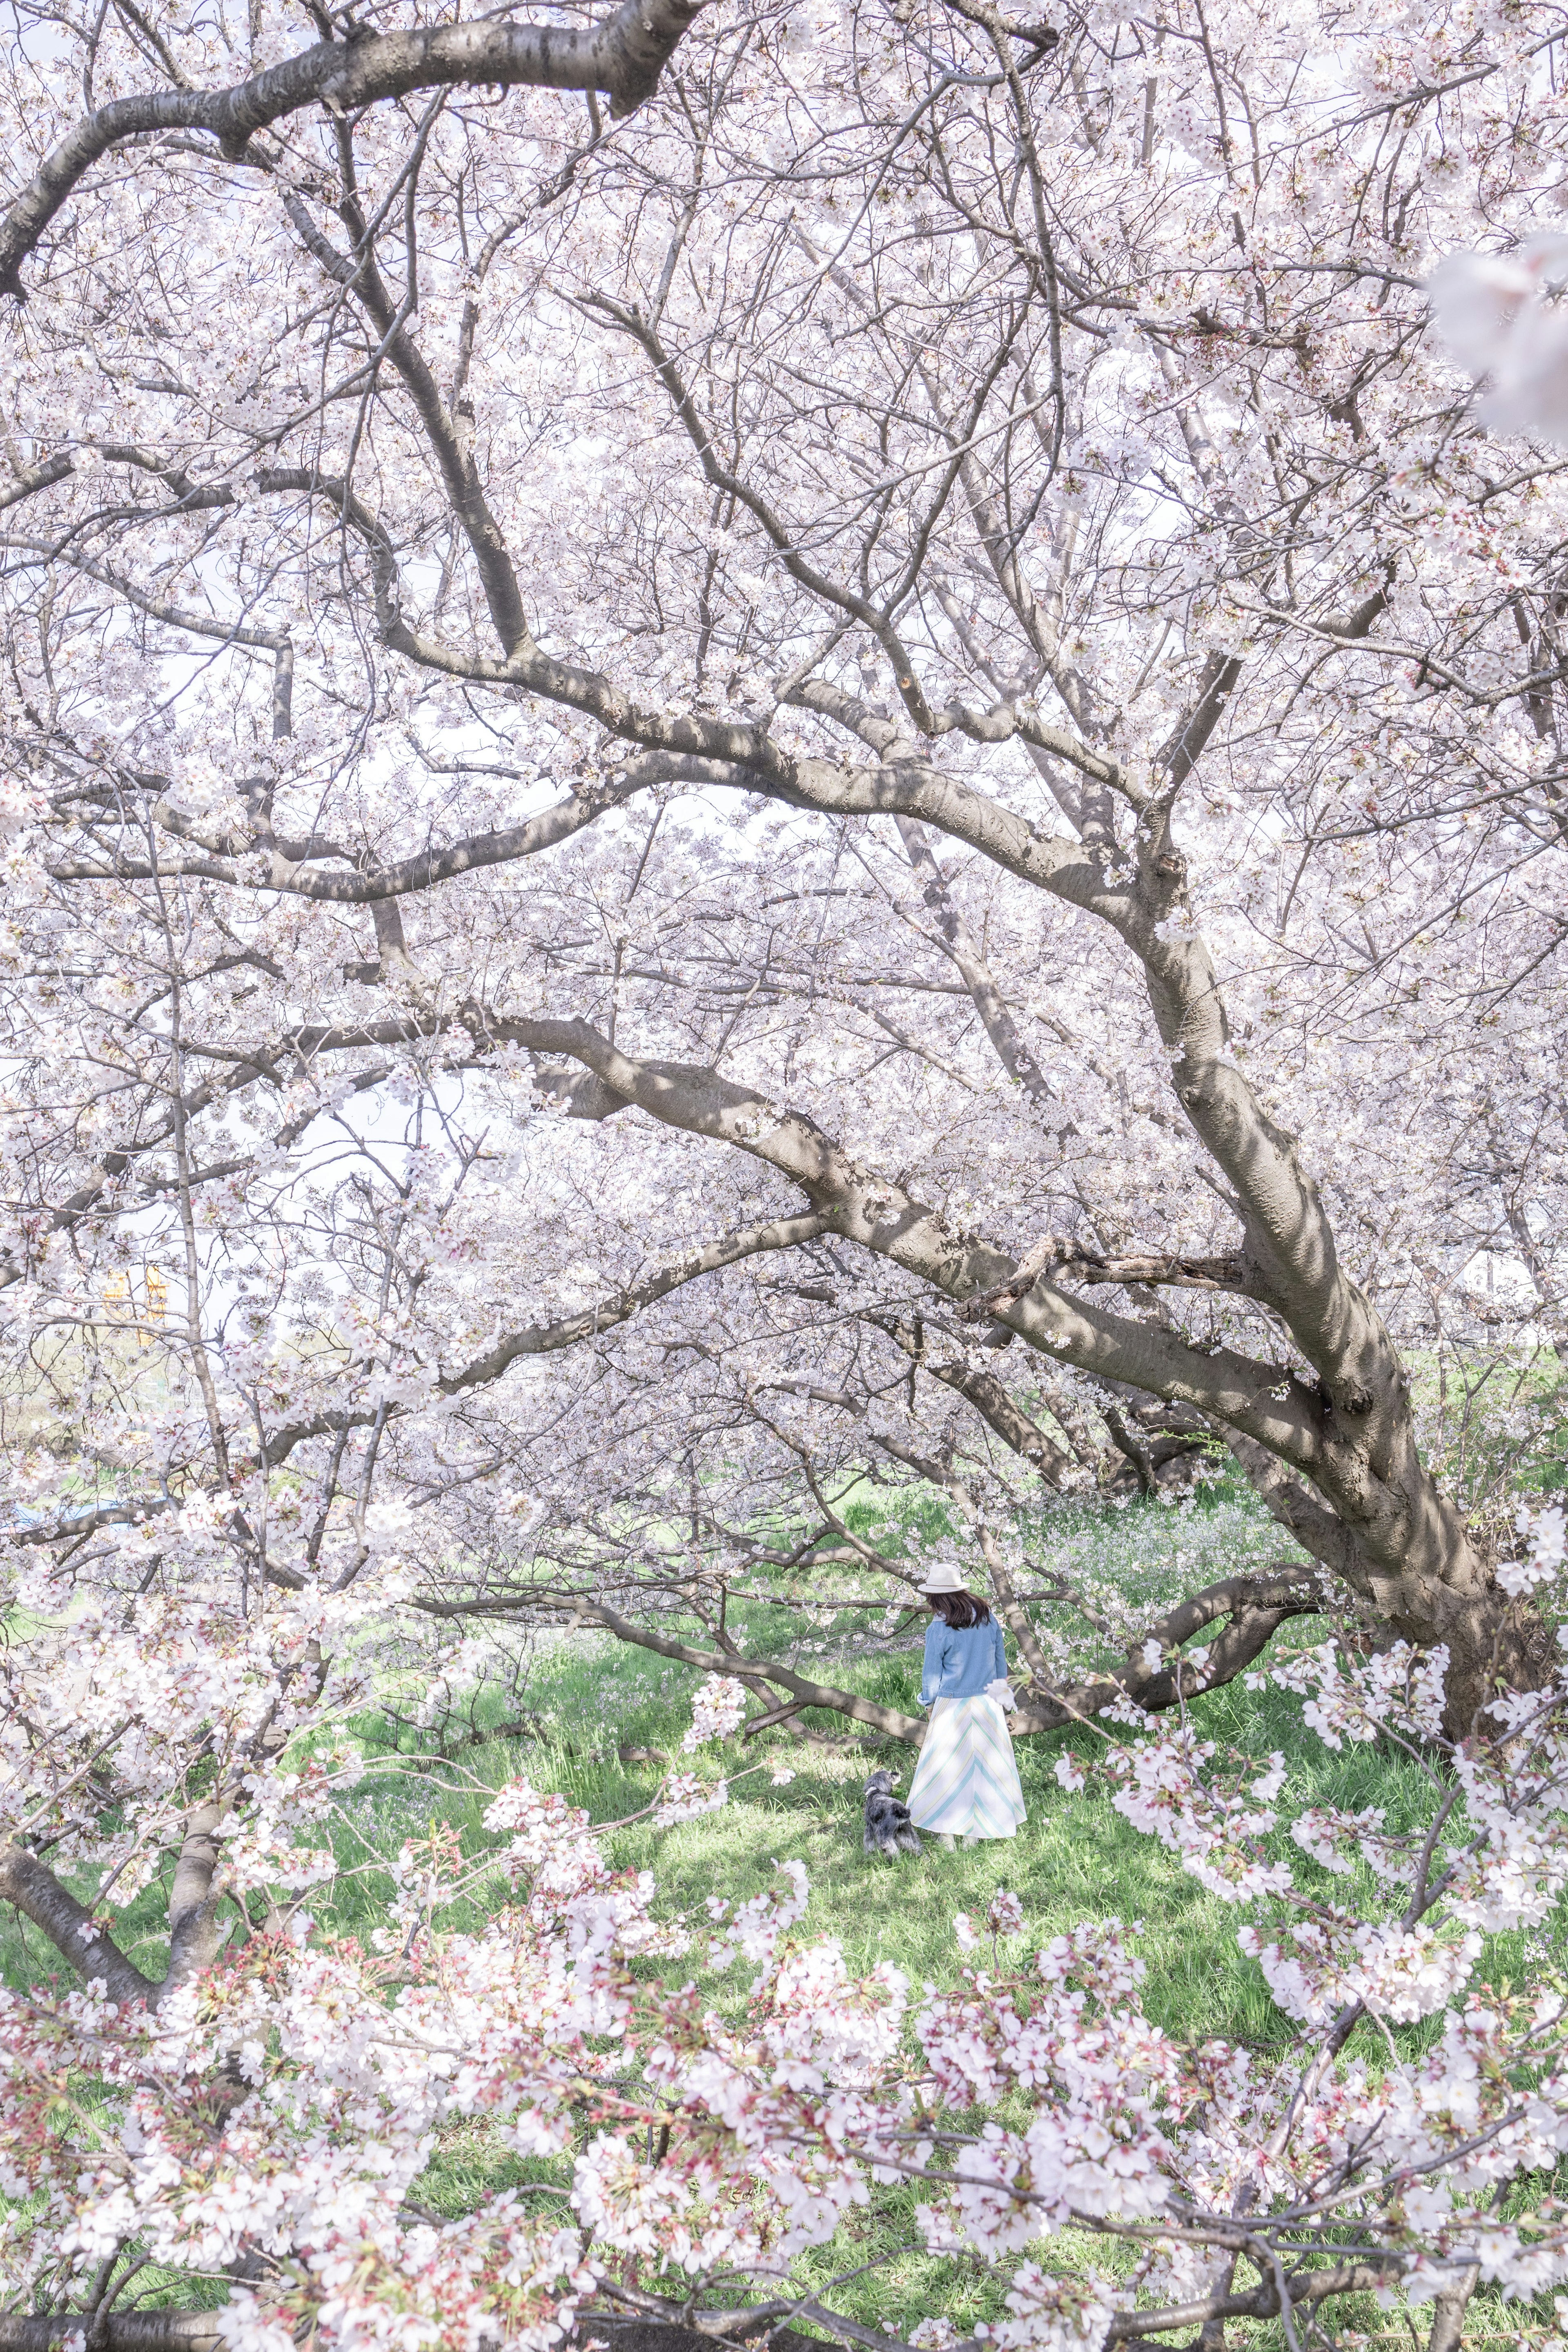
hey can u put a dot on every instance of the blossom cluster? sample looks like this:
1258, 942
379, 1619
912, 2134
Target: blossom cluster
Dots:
717, 1709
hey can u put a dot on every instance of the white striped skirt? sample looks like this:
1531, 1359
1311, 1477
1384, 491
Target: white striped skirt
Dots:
966, 1782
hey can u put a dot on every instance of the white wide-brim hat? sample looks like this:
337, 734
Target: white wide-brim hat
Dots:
942, 1576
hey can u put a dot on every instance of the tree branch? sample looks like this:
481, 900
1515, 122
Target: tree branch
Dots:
70, 1927
1256, 1606
548, 1338
890, 1720
990, 1399
624, 56
115, 2331
881, 1216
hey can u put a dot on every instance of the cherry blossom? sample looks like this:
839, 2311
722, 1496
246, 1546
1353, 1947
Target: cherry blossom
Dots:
842, 777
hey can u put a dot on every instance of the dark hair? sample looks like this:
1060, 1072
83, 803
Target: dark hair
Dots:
959, 1610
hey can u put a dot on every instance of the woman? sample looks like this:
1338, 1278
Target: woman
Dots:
967, 1783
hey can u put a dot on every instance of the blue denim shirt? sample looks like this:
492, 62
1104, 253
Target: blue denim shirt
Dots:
959, 1663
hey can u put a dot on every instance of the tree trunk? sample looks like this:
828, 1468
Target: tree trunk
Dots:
1335, 1455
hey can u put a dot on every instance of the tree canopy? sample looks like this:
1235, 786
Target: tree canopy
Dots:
837, 785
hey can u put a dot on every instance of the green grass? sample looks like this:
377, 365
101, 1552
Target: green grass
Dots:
1075, 1859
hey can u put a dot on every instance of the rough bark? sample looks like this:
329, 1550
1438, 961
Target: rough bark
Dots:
1448, 2311
193, 1908
115, 2331
37, 1894
69, 1925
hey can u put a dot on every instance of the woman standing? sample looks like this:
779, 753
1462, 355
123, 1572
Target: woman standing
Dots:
966, 1783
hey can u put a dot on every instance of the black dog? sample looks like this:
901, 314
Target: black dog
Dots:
888, 1829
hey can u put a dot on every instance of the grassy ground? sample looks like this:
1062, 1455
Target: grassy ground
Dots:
1075, 1859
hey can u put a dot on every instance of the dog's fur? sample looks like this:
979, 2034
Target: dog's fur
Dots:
888, 1829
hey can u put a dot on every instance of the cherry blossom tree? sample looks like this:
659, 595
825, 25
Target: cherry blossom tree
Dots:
847, 771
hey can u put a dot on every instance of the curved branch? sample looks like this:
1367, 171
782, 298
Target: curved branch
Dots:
990, 1398
890, 1720
624, 56
1255, 1606
545, 1338
35, 479
449, 446
871, 1209
296, 879
548, 1338
1229, 1272
1289, 1502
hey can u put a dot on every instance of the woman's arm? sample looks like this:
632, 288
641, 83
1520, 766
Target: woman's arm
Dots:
931, 1673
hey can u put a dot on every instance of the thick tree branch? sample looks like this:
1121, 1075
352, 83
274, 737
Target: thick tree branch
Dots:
868, 1208
1228, 1272
1406, 1553
1255, 1607
193, 1910
37, 1894
624, 56
1294, 1505
116, 2331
